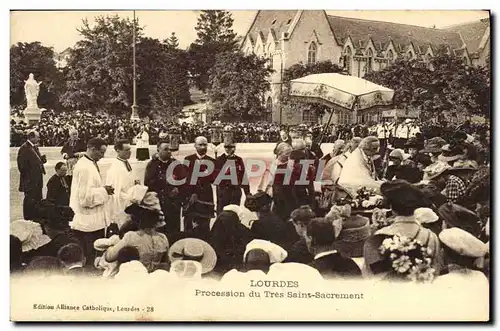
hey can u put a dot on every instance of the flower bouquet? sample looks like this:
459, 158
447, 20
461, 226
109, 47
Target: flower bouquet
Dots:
380, 219
410, 259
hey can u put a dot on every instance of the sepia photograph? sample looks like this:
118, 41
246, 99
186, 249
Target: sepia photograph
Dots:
250, 165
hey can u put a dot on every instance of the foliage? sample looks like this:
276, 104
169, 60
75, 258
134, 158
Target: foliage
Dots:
26, 58
100, 71
214, 36
173, 41
237, 86
446, 85
300, 70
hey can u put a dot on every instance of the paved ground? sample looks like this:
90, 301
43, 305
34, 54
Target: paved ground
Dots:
261, 151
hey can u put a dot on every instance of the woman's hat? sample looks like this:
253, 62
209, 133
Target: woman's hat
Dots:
433, 145
463, 243
451, 153
355, 230
425, 215
464, 165
276, 253
435, 170
193, 249
457, 216
30, 234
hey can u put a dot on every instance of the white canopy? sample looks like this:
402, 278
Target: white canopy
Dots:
342, 90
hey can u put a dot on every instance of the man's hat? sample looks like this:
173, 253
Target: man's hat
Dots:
433, 145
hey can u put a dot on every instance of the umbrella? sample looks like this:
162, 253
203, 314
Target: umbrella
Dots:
341, 90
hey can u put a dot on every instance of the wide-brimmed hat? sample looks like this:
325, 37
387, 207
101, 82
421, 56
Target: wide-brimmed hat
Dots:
463, 243
193, 249
355, 230
435, 170
464, 165
29, 233
425, 215
433, 145
451, 153
457, 216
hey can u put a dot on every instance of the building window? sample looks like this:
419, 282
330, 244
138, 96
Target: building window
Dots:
344, 117
348, 59
271, 64
369, 60
466, 62
311, 54
309, 116
390, 56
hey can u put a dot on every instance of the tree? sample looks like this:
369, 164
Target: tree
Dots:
26, 58
445, 85
237, 86
214, 36
173, 41
300, 70
100, 74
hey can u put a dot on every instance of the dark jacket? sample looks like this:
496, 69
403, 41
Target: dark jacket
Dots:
57, 193
30, 164
335, 265
71, 149
299, 253
240, 171
270, 227
203, 185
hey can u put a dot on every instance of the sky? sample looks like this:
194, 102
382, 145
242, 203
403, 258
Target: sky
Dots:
58, 29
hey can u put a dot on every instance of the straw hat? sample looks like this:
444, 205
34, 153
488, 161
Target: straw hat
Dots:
192, 249
435, 170
29, 233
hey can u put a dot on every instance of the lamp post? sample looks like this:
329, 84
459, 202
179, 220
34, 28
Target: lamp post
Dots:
135, 110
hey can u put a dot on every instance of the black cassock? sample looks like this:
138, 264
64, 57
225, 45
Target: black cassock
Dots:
229, 193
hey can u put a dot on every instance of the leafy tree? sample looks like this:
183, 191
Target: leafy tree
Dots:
446, 85
26, 58
173, 41
300, 70
100, 74
214, 36
237, 86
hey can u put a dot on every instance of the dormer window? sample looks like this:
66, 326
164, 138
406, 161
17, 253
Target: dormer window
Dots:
289, 21
273, 22
369, 60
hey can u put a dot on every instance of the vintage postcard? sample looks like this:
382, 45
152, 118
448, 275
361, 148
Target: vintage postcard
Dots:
264, 165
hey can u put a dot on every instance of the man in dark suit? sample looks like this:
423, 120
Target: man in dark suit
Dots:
59, 186
200, 175
30, 164
321, 233
170, 196
284, 138
229, 192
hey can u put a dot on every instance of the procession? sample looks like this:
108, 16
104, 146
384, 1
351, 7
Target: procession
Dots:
365, 190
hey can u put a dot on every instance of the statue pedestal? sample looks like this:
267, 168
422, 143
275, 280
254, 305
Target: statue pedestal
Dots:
32, 115
135, 114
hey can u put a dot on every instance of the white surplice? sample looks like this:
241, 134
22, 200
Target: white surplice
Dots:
88, 197
121, 180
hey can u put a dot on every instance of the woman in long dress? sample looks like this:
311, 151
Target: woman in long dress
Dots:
142, 145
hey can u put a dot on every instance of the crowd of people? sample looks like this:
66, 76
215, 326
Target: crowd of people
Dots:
378, 206
54, 129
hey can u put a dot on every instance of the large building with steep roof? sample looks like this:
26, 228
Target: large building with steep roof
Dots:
288, 37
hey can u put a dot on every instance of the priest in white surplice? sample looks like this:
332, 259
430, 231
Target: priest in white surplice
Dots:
121, 177
88, 198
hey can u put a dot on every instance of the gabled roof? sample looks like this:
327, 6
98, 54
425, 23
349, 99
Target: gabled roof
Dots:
472, 33
264, 19
383, 32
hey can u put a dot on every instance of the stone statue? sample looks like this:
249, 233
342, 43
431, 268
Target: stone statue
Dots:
31, 89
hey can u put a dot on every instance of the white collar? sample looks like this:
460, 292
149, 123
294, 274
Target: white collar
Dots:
31, 143
199, 156
320, 255
78, 265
